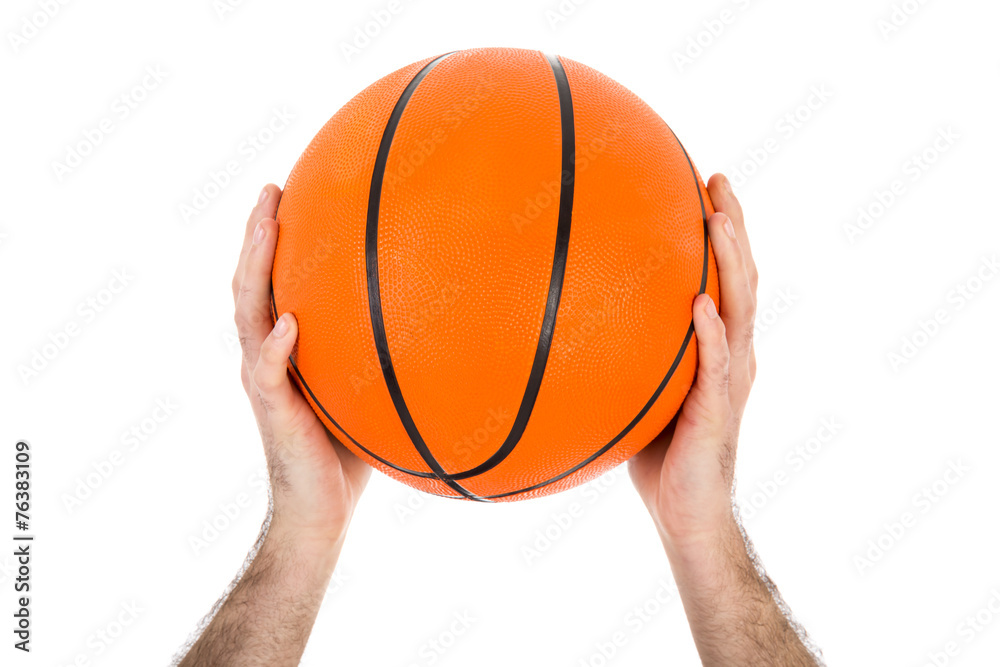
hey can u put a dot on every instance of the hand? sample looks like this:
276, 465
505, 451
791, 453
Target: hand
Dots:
315, 480
685, 476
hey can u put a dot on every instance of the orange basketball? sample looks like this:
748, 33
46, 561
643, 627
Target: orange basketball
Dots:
492, 256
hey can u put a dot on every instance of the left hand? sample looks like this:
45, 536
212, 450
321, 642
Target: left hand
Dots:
685, 476
315, 480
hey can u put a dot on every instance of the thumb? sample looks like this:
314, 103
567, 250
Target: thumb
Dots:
707, 405
278, 397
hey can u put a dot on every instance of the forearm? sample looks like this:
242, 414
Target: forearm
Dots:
267, 618
732, 608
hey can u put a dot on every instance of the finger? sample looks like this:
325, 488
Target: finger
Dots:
736, 298
723, 199
708, 403
245, 377
267, 207
253, 313
270, 374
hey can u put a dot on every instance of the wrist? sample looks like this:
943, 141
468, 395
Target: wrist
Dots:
711, 546
712, 567
313, 552
322, 525
710, 523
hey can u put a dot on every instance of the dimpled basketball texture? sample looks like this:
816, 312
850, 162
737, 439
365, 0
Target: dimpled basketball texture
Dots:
492, 257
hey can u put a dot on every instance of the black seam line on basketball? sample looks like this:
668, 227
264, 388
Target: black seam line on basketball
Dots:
704, 213
567, 181
625, 431
302, 379
374, 296
298, 373
673, 366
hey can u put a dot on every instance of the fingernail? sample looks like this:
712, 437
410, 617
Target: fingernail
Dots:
710, 309
263, 196
281, 327
729, 228
259, 233
729, 186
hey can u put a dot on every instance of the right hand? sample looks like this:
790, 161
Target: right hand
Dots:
685, 476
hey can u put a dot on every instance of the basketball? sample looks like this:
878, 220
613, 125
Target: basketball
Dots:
492, 256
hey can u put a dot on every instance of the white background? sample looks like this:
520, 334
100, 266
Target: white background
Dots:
404, 575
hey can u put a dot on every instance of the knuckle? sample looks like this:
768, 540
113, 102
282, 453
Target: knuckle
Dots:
717, 365
247, 350
242, 316
261, 378
249, 317
265, 403
740, 384
258, 316
267, 353
722, 383
723, 341
720, 330
724, 354
747, 340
